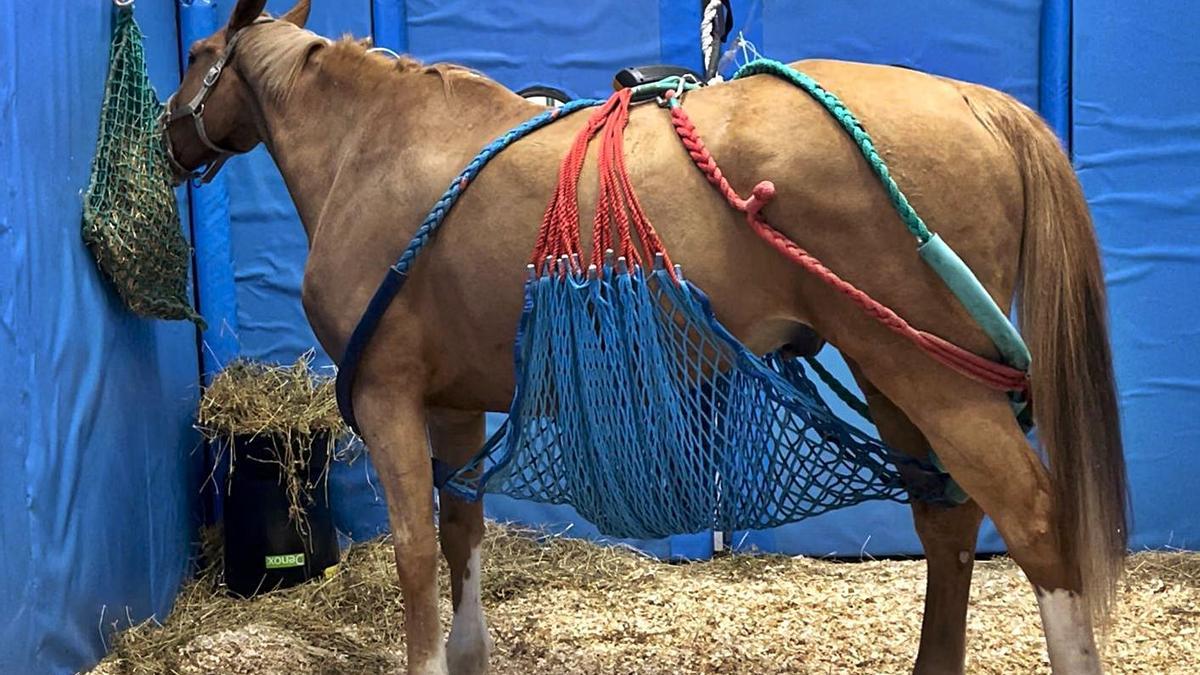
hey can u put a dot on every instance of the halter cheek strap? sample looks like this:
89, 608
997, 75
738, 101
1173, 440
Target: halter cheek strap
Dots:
195, 110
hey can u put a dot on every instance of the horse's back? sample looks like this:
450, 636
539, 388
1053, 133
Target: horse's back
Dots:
956, 173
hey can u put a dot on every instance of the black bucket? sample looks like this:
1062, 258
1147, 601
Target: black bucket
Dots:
265, 549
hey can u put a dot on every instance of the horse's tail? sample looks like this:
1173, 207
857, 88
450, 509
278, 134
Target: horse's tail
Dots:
1063, 316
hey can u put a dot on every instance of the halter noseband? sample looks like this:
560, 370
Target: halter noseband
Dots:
195, 109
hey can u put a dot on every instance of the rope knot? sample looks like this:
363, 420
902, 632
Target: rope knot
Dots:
762, 193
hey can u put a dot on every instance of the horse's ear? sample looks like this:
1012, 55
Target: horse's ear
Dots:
244, 14
298, 14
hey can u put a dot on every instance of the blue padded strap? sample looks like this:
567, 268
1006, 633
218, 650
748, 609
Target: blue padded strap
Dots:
391, 285
441, 473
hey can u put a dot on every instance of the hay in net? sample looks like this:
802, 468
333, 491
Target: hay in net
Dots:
130, 216
293, 405
558, 605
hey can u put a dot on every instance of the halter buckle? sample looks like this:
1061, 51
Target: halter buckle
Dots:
213, 74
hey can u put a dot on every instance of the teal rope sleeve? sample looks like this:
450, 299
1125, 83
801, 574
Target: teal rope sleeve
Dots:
975, 298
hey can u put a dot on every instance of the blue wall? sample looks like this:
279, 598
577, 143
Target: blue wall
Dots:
99, 492
100, 500
1136, 134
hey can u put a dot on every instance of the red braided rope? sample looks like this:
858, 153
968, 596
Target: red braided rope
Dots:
995, 375
617, 204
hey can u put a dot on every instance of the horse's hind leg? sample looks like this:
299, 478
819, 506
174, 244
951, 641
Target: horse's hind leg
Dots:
393, 424
456, 436
948, 536
977, 438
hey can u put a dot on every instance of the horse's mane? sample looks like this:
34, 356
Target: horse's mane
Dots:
279, 52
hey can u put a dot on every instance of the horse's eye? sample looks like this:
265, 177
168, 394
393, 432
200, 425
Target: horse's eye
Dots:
191, 59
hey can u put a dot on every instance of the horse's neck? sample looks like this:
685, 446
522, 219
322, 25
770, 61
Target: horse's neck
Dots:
337, 131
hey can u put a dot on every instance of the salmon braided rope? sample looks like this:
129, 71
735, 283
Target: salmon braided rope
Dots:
990, 373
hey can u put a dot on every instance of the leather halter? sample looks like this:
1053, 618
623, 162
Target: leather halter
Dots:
195, 110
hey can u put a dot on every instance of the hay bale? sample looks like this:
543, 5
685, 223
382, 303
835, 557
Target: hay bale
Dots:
558, 605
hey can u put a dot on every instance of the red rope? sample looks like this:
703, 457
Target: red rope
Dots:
619, 213
993, 374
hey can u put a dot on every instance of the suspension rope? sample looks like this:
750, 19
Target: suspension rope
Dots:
713, 28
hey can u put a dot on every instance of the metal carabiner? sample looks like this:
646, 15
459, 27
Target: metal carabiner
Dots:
123, 3
676, 93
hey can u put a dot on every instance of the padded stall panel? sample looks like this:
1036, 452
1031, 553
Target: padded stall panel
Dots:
993, 42
98, 501
1137, 150
575, 46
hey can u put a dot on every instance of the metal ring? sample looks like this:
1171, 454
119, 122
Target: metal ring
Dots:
123, 3
384, 50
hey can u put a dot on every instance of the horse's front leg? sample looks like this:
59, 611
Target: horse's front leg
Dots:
456, 437
393, 422
948, 536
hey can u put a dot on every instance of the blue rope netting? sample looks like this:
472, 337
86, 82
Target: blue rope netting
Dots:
639, 409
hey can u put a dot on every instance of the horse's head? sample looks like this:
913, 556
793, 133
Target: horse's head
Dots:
211, 117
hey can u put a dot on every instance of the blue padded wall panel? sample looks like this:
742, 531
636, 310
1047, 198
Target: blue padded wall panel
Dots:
576, 46
1137, 147
99, 489
994, 42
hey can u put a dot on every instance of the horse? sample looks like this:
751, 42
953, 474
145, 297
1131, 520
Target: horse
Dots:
366, 144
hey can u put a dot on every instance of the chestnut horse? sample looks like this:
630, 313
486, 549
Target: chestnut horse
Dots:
367, 144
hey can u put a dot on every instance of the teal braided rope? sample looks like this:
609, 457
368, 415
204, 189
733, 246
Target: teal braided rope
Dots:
855, 403
852, 127
437, 215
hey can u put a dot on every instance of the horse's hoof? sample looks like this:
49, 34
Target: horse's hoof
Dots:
468, 657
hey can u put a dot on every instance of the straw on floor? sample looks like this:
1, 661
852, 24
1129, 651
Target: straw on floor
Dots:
559, 605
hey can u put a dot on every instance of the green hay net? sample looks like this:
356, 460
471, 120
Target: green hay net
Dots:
130, 216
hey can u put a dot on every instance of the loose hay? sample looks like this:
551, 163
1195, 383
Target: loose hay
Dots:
558, 605
252, 398
294, 405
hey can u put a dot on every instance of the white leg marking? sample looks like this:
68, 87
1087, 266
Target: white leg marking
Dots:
1068, 631
470, 645
436, 665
